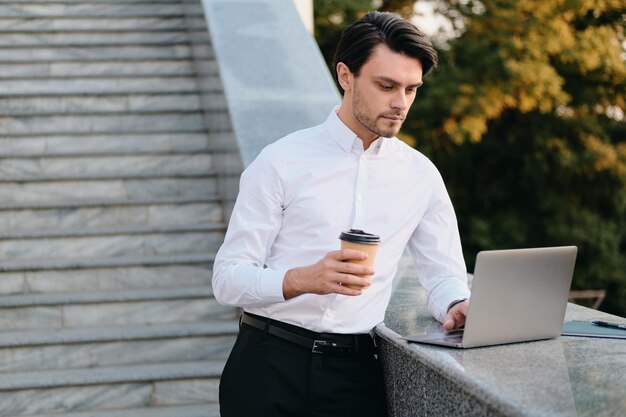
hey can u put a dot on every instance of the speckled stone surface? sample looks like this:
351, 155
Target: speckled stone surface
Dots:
567, 376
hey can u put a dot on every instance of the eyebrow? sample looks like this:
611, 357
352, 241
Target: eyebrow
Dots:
394, 82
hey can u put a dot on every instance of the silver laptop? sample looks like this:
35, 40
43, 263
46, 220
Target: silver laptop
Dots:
518, 295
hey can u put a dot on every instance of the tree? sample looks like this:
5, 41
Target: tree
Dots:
531, 135
525, 120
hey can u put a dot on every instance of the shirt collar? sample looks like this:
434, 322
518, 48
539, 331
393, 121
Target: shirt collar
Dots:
342, 135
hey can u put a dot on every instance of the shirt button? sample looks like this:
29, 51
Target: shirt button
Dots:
359, 197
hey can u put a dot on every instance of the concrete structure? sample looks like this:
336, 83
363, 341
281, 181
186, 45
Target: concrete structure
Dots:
274, 75
568, 376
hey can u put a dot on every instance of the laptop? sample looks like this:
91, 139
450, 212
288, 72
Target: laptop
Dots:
518, 295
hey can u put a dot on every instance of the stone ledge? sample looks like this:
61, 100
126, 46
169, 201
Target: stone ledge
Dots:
567, 376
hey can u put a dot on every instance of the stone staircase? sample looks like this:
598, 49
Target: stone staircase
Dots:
112, 140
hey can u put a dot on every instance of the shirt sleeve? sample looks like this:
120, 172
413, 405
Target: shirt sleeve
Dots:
435, 247
240, 277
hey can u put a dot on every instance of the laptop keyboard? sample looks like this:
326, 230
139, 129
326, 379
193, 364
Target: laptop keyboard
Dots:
453, 338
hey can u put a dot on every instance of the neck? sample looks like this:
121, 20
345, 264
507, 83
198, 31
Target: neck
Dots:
347, 117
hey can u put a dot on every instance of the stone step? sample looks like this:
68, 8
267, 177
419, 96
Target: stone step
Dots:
105, 297
108, 202
125, 353
99, 1
21, 39
109, 334
203, 410
110, 389
114, 230
130, 307
115, 144
85, 23
107, 86
68, 176
30, 265
76, 167
105, 279
102, 53
110, 242
53, 337
146, 214
115, 346
107, 375
128, 103
103, 188
98, 9
191, 122
108, 69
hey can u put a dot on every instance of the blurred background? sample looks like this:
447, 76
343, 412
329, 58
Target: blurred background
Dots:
525, 120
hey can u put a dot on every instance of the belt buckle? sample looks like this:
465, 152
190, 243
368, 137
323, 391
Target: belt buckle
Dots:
326, 346
321, 346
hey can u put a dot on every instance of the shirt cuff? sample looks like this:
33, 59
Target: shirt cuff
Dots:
271, 286
455, 302
444, 294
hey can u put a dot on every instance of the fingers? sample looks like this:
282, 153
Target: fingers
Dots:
352, 275
449, 324
354, 281
343, 255
344, 289
455, 318
352, 269
347, 261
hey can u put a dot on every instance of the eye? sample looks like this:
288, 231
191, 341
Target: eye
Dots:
411, 90
386, 87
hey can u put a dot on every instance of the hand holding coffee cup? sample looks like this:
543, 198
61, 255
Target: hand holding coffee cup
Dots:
359, 240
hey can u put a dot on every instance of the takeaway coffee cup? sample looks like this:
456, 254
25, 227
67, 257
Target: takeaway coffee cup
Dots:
359, 240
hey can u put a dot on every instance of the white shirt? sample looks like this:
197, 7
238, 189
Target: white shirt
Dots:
302, 191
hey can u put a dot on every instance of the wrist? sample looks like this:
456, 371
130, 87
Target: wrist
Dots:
290, 283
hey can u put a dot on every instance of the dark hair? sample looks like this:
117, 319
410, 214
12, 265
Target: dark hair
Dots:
359, 39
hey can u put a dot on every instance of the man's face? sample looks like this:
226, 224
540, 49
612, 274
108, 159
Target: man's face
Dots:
381, 95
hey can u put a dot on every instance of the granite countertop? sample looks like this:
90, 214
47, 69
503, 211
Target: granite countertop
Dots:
567, 376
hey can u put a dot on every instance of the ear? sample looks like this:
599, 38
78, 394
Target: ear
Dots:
344, 76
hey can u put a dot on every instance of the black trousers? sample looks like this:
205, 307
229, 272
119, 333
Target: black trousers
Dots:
266, 376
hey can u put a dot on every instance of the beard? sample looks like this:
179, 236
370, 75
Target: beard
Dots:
364, 116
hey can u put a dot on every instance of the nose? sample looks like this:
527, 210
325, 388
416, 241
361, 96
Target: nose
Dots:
400, 101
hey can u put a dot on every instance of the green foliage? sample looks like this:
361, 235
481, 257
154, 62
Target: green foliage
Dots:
525, 119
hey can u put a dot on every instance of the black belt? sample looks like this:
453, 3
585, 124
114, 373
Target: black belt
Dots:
330, 343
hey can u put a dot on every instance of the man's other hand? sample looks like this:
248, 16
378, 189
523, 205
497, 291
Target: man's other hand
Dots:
455, 318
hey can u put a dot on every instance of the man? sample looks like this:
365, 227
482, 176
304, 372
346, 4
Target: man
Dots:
305, 346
